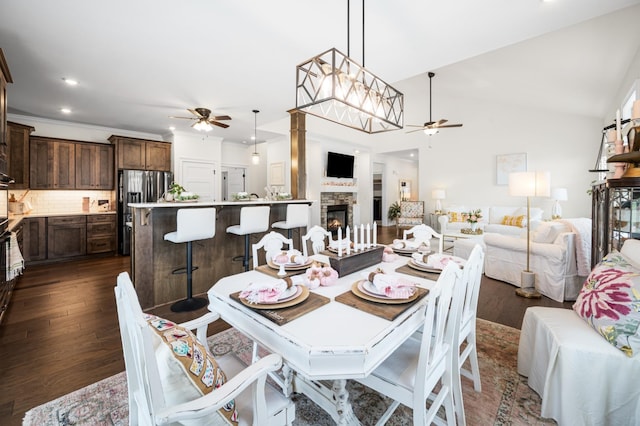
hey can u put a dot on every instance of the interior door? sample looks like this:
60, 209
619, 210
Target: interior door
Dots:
199, 177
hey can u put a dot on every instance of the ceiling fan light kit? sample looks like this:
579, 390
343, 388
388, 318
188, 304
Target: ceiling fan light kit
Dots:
204, 120
431, 127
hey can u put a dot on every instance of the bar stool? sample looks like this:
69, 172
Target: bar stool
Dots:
252, 220
297, 217
192, 224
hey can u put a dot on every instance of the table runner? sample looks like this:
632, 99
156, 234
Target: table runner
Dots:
383, 310
284, 315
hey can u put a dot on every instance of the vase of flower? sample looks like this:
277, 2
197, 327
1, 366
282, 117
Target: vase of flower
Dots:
474, 226
472, 218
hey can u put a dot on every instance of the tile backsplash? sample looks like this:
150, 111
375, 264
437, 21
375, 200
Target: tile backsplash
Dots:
56, 202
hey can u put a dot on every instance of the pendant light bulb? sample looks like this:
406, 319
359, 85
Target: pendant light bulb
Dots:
255, 157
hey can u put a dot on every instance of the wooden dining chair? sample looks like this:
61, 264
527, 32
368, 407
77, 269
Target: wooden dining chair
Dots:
162, 391
318, 235
411, 374
424, 233
272, 243
471, 278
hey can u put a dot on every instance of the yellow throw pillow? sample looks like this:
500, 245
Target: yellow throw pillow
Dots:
455, 217
519, 221
200, 367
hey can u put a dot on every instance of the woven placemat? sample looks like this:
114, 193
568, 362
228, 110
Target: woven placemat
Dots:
381, 309
284, 315
408, 270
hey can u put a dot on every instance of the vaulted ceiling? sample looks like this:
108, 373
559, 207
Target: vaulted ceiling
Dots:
139, 62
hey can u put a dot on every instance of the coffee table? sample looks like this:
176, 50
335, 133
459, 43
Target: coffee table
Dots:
456, 235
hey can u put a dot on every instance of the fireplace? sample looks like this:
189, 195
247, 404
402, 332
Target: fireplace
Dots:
337, 217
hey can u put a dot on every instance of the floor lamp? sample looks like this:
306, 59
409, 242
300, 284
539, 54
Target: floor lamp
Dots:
529, 184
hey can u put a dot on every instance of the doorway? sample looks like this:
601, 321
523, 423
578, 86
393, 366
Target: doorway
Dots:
233, 181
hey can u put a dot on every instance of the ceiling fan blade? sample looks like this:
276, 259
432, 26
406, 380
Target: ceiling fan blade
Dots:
440, 122
195, 112
220, 117
186, 118
415, 125
215, 123
450, 125
416, 130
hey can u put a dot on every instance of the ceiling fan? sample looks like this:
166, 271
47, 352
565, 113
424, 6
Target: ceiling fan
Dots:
204, 119
431, 127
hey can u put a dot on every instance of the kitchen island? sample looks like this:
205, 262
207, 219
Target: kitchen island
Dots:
153, 259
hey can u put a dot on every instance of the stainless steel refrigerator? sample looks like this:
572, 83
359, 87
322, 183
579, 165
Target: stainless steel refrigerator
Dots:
137, 186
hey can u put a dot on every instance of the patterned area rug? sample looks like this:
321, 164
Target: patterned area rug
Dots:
505, 398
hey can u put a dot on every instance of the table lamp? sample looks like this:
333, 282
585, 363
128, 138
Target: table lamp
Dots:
529, 184
558, 194
438, 194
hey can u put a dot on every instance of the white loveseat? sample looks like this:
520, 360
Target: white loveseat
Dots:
581, 378
492, 219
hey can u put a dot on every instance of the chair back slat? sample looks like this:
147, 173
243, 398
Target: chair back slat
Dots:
318, 235
272, 243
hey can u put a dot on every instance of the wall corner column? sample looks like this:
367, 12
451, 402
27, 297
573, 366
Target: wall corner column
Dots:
298, 155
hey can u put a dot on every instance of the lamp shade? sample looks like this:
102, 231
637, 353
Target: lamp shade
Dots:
438, 194
559, 194
530, 184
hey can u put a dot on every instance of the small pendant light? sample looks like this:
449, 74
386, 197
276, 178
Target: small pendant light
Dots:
255, 157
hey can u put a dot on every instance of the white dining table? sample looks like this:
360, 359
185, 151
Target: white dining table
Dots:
329, 345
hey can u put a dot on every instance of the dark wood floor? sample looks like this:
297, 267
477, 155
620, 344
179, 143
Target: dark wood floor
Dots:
60, 332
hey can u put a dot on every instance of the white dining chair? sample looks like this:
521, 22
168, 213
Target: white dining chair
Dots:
317, 235
424, 233
411, 374
471, 278
160, 393
272, 243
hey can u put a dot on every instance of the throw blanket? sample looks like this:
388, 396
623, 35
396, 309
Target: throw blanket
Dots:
15, 261
390, 286
582, 228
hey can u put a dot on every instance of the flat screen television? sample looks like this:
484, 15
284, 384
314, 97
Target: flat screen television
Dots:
339, 165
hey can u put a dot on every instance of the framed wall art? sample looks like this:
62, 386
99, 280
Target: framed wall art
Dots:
509, 163
277, 174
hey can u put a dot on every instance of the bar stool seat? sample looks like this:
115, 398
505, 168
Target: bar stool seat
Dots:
253, 219
297, 217
192, 224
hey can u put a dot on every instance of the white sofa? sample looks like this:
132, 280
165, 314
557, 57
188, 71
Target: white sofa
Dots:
552, 257
492, 218
581, 378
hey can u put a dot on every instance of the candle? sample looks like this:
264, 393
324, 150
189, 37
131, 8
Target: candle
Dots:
368, 236
340, 241
375, 234
348, 232
355, 238
618, 131
362, 235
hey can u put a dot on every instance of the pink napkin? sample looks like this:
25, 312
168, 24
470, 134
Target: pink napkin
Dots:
439, 261
391, 286
408, 245
268, 291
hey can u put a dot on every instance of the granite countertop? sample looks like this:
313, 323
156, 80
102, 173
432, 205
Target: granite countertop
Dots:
217, 203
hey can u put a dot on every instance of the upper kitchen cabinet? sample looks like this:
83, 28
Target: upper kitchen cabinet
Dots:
141, 154
5, 79
18, 154
94, 166
52, 163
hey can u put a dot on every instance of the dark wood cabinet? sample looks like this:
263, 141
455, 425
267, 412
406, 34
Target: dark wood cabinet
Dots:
5, 79
101, 233
66, 236
52, 163
141, 154
615, 215
94, 166
34, 238
18, 154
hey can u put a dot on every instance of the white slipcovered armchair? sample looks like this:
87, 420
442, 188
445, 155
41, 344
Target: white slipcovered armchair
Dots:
552, 259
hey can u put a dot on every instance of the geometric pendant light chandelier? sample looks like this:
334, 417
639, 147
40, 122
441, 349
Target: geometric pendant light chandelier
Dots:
333, 86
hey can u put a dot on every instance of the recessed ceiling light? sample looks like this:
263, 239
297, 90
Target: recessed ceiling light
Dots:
172, 127
411, 155
70, 81
65, 110
355, 151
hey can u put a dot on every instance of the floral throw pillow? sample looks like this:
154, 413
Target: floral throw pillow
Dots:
519, 221
610, 302
196, 363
